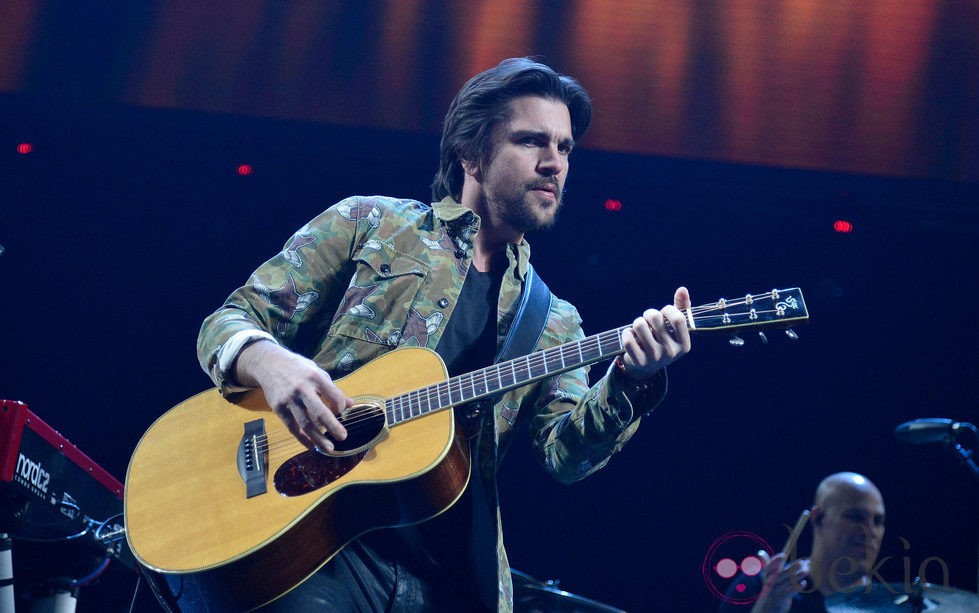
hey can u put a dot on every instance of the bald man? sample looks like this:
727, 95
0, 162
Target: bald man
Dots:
847, 518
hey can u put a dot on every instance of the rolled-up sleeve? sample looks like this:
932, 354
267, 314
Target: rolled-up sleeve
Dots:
283, 294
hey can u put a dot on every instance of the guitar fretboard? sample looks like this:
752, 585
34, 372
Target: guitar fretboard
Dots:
504, 376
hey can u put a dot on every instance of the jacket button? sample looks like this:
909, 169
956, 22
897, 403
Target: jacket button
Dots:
443, 303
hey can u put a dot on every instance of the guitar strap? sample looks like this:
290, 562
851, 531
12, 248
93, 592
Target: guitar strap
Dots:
525, 330
529, 320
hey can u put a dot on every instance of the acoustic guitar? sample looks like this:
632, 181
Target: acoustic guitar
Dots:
222, 490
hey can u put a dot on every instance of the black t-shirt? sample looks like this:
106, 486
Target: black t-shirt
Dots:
469, 339
442, 547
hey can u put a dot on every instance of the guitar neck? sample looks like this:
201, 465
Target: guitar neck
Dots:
505, 376
773, 308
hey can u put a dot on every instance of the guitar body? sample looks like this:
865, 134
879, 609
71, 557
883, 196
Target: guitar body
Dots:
187, 511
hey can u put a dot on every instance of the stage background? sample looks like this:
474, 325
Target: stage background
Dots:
733, 133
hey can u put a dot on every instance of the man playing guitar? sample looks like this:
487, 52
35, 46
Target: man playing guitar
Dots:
373, 274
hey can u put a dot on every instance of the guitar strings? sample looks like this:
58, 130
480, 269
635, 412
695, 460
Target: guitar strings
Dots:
469, 381
354, 425
454, 385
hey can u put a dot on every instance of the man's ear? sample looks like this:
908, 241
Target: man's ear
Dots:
471, 168
817, 515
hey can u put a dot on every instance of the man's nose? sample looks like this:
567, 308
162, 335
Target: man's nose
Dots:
872, 529
551, 161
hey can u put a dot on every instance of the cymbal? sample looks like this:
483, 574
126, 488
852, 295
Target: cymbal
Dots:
897, 598
533, 595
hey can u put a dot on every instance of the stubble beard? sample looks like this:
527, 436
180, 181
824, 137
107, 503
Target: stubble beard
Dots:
521, 212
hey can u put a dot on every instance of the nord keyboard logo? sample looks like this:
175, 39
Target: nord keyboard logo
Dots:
31, 473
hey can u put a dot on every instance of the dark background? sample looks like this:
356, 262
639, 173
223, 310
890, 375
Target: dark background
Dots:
128, 223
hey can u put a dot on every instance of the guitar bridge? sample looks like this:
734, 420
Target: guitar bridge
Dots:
253, 458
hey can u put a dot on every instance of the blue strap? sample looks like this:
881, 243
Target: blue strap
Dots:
528, 323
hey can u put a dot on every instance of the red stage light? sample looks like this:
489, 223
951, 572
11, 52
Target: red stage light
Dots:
24, 148
843, 226
613, 205
245, 169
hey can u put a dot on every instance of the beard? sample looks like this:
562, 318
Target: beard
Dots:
522, 209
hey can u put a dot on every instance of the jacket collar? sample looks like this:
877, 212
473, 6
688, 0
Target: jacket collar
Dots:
463, 224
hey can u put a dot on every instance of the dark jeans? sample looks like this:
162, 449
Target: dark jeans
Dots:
356, 580
359, 581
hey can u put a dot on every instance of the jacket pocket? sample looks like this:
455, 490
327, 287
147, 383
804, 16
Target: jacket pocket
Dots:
384, 286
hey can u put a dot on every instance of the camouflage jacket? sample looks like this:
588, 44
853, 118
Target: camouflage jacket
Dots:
370, 274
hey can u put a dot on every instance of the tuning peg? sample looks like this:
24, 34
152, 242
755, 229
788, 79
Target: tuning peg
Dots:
789, 332
736, 341
761, 335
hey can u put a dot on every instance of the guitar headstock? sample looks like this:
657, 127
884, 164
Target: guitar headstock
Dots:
778, 308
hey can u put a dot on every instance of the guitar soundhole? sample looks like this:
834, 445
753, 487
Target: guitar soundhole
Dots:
364, 423
311, 470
